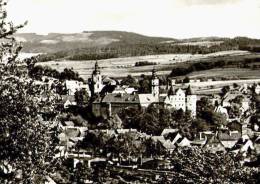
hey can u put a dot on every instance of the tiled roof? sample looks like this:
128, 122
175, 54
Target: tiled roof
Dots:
121, 98
213, 140
229, 136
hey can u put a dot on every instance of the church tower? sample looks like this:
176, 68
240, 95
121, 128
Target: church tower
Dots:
155, 84
96, 81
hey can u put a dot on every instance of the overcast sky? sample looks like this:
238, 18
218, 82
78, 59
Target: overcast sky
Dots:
171, 18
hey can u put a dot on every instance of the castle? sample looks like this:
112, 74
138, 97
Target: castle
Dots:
176, 97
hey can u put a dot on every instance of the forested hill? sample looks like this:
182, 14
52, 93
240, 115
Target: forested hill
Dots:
91, 45
55, 42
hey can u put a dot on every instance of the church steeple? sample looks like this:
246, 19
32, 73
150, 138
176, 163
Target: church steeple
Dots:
96, 70
155, 83
96, 82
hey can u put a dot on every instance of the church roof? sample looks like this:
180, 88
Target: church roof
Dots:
121, 98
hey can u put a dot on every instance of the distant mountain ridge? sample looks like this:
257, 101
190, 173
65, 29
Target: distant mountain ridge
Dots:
90, 45
55, 42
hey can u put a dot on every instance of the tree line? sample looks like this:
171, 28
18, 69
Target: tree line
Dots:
121, 49
38, 71
242, 62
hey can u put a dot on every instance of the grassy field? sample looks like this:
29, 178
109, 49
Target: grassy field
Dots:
121, 67
243, 73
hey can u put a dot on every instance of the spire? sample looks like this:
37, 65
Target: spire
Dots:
96, 70
96, 66
154, 75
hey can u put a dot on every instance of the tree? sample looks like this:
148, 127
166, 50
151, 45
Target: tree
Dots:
81, 97
130, 81
193, 165
186, 79
225, 90
27, 143
145, 85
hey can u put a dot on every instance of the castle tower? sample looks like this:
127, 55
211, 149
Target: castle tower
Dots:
96, 81
155, 84
191, 101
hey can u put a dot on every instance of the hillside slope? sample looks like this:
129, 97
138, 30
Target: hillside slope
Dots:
55, 42
92, 45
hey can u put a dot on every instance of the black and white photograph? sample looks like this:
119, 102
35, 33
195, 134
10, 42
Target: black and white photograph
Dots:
129, 91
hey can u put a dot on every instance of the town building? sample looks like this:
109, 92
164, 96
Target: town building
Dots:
182, 99
257, 89
71, 86
113, 103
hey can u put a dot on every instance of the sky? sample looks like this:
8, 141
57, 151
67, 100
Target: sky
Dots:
167, 18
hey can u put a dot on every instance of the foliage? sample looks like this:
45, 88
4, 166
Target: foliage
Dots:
194, 165
144, 63
205, 112
38, 71
151, 121
144, 84
81, 97
238, 62
133, 46
27, 142
129, 81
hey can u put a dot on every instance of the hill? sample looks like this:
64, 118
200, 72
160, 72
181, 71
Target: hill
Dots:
92, 45
56, 42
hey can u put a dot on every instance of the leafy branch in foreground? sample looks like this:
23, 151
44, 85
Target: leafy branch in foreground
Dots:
27, 143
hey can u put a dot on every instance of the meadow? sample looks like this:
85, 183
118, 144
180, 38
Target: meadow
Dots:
121, 67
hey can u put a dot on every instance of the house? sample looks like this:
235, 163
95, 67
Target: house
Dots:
243, 146
67, 101
71, 86
257, 89
182, 99
214, 145
173, 137
167, 144
183, 142
228, 138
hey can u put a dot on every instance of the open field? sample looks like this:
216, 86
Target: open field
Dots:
242, 73
121, 67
